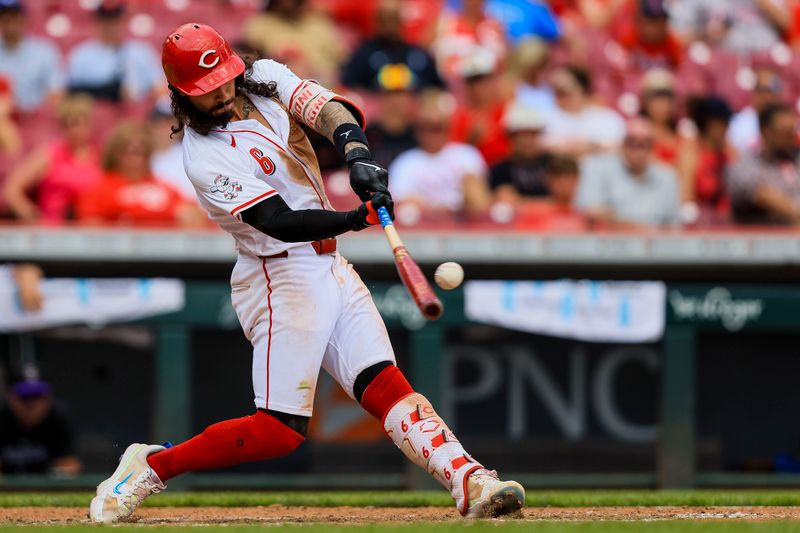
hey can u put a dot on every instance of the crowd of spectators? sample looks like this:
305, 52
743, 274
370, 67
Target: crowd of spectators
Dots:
559, 114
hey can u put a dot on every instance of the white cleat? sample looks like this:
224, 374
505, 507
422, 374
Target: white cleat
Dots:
489, 497
133, 481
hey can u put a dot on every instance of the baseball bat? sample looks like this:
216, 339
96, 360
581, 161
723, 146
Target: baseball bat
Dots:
410, 273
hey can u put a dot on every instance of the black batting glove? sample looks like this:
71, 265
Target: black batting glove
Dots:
366, 176
366, 214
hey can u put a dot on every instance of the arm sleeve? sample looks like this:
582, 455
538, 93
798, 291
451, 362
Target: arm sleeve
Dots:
303, 98
232, 187
276, 219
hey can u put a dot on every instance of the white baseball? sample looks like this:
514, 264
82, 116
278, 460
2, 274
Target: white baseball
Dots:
449, 275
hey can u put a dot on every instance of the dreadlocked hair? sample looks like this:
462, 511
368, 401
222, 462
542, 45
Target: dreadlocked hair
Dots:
187, 114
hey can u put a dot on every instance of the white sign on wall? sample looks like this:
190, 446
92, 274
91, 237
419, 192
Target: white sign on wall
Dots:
97, 302
609, 311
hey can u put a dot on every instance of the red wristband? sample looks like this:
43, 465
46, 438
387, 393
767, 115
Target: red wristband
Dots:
372, 214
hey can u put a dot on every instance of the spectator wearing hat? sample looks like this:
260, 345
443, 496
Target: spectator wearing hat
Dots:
112, 67
479, 119
629, 188
521, 176
442, 178
577, 125
529, 63
388, 48
291, 32
32, 64
703, 161
648, 39
741, 26
391, 131
765, 185
744, 132
659, 106
35, 436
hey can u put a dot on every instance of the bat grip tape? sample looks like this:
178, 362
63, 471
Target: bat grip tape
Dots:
384, 217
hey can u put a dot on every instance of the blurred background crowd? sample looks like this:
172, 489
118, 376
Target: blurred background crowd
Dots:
538, 115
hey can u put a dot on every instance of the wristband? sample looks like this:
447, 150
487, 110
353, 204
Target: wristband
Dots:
355, 154
347, 133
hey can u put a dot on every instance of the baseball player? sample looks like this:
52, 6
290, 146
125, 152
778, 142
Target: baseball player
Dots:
300, 303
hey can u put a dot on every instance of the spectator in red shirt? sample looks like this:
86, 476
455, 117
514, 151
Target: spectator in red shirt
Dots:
702, 163
479, 120
649, 41
660, 107
60, 169
128, 193
555, 212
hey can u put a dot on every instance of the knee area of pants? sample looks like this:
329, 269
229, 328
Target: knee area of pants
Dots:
297, 423
366, 377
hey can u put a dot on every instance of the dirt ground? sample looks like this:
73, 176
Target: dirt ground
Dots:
355, 515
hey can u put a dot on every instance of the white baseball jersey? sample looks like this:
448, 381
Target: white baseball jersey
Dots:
303, 311
235, 167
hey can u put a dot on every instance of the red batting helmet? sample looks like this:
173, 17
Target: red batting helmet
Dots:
197, 59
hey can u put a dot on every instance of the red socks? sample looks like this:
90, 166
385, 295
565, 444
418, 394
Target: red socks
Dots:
389, 387
251, 438
260, 436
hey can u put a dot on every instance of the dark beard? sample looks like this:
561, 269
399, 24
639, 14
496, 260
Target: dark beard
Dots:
203, 122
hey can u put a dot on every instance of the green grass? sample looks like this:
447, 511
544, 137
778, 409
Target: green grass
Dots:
572, 498
480, 527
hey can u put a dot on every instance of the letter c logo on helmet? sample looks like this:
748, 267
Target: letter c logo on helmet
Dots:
203, 62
